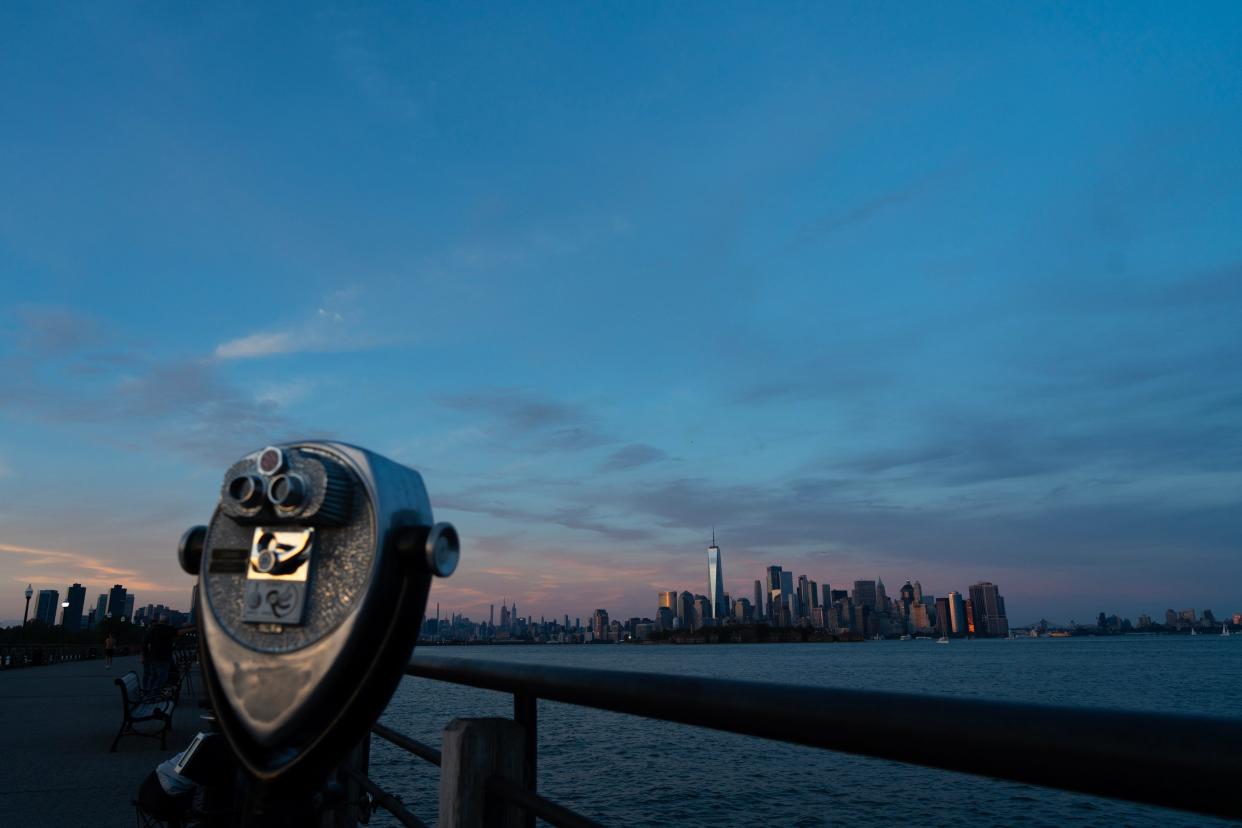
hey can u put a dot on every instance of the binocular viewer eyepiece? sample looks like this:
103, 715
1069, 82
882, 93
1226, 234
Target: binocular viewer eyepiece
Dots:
313, 577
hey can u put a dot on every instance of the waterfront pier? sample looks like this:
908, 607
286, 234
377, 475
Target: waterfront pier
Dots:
56, 727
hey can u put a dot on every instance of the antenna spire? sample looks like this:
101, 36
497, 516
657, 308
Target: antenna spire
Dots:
713, 534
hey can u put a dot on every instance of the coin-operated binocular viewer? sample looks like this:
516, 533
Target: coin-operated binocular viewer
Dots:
312, 581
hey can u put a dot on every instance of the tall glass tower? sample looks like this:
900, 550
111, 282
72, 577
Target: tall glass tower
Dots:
715, 580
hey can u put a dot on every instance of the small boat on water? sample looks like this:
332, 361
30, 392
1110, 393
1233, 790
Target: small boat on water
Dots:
944, 639
1193, 631
1224, 629
904, 638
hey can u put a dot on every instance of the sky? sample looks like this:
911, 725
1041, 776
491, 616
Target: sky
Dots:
948, 292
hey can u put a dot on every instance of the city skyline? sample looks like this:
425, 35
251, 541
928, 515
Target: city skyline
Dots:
951, 291
761, 592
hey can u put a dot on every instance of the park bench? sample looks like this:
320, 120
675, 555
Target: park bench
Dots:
135, 707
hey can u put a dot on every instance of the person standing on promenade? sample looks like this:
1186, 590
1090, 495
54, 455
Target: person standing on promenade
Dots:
157, 648
109, 650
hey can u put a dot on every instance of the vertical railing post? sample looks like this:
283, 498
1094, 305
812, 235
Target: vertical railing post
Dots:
526, 713
472, 750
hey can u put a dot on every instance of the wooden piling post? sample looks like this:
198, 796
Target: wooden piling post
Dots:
471, 751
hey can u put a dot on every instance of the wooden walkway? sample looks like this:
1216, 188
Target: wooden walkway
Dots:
56, 724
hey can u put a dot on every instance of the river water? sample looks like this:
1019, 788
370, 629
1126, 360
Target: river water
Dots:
626, 771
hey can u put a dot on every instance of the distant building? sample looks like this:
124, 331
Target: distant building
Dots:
599, 623
743, 612
45, 610
774, 591
957, 614
668, 599
129, 607
881, 597
864, 594
75, 596
804, 596
840, 615
715, 580
989, 610
758, 599
702, 611
101, 608
920, 618
789, 600
943, 622
116, 601
864, 621
685, 610
826, 601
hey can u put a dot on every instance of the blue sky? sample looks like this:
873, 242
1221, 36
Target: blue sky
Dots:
942, 292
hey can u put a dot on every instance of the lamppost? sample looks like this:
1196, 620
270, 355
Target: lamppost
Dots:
26, 614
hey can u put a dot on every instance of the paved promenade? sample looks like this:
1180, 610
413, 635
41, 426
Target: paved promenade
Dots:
56, 724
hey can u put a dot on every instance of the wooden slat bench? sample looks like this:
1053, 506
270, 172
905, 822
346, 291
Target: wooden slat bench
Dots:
135, 708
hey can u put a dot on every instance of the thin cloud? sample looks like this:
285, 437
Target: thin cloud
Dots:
76, 566
832, 222
325, 330
631, 457
541, 423
257, 345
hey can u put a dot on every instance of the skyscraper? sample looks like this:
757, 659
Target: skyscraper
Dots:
774, 590
599, 623
989, 610
789, 600
804, 596
758, 600
715, 580
685, 610
49, 602
957, 614
129, 607
116, 601
943, 622
864, 593
702, 611
668, 599
72, 618
101, 607
827, 599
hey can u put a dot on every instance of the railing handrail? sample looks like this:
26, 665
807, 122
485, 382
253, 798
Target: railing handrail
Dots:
1192, 763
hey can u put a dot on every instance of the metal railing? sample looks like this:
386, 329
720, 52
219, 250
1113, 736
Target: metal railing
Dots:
1192, 763
37, 655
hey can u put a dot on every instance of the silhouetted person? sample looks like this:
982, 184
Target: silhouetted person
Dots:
157, 651
109, 650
